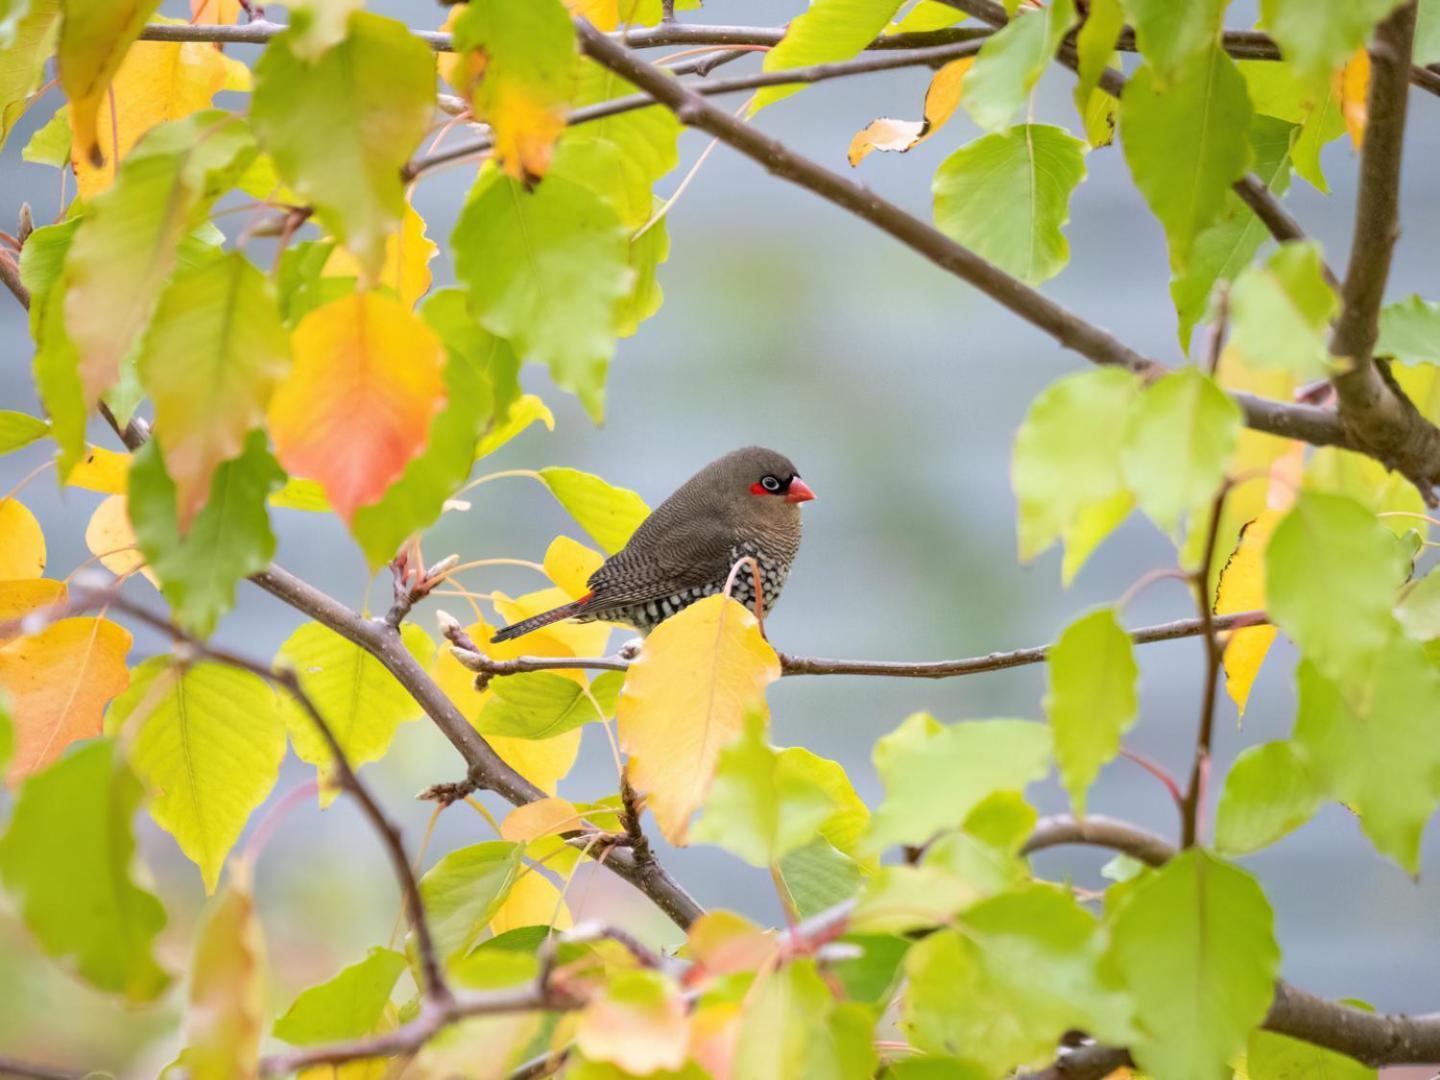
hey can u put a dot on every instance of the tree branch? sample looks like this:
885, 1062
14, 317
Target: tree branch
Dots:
1200, 764
1096, 830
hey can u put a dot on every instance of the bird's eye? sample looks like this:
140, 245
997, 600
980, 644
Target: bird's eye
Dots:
770, 483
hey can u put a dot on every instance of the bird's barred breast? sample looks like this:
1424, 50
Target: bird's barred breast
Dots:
647, 615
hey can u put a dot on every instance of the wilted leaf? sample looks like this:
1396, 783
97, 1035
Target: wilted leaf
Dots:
1204, 926
22, 544
67, 862
225, 1012
341, 124
608, 513
1242, 588
1354, 91
942, 98
1269, 792
59, 682
208, 743
1094, 48
685, 698
94, 38
828, 30
1011, 62
1093, 698
357, 407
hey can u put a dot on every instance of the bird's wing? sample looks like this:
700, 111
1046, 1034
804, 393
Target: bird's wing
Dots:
665, 556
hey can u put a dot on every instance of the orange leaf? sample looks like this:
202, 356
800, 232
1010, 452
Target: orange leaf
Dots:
1353, 89
942, 98
19, 598
158, 81
1242, 588
22, 544
356, 407
407, 260
59, 682
539, 818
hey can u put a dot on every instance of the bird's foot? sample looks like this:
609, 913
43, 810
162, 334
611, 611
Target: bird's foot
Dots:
631, 649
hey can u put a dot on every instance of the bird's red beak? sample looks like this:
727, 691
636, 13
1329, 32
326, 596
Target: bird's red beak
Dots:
799, 491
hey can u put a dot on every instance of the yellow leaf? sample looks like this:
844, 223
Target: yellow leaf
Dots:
215, 11
105, 471
540, 818
19, 598
570, 563
685, 698
111, 539
301, 495
357, 405
533, 901
406, 269
640, 1024
1242, 588
94, 38
544, 762
225, 1015
22, 544
1352, 87
601, 14
522, 414
158, 81
942, 98
557, 639
59, 682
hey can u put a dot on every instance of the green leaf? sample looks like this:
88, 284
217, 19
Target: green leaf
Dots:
18, 429
547, 270
1279, 1057
985, 853
1226, 247
7, 732
414, 502
67, 861
164, 190
445, 312
1020, 971
848, 821
760, 807
1280, 312
1369, 483
341, 126
1410, 331
1094, 48
1316, 41
1268, 793
360, 701
50, 145
793, 1027
22, 60
926, 15
1186, 144
934, 776
1419, 609
1178, 441
1170, 35
1194, 944
348, 1006
1011, 62
608, 513
210, 360
56, 366
1427, 33
818, 876
1369, 743
542, 704
300, 282
904, 899
1093, 698
1276, 92
229, 539
871, 977
647, 252
1331, 571
1007, 198
826, 31
209, 745
463, 891
1066, 469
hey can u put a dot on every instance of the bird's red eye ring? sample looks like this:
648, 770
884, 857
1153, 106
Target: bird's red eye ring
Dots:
758, 488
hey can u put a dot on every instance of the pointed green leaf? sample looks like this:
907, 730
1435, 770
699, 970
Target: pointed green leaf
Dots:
818, 876
360, 701
1178, 442
826, 31
18, 429
1095, 45
209, 745
1011, 62
547, 270
348, 1006
1268, 793
1410, 331
50, 145
1316, 39
1369, 744
1186, 144
463, 891
1278, 1057
608, 513
1007, 197
846, 825
229, 539
67, 861
934, 778
542, 704
340, 126
22, 60
1021, 971
760, 807
1280, 312
1066, 469
1171, 34
1275, 91
444, 311
1194, 944
1093, 698
1331, 571
56, 366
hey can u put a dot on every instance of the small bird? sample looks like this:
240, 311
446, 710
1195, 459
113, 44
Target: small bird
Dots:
745, 503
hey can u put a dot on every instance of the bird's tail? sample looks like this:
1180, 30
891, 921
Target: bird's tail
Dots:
545, 618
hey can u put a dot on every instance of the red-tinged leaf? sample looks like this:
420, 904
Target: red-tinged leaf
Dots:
356, 408
59, 682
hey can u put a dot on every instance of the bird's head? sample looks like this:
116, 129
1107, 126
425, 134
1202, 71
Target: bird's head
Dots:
762, 484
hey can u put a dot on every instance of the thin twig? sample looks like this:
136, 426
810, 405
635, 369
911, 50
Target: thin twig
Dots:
1200, 766
10, 275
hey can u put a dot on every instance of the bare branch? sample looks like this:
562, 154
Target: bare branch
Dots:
1200, 766
1090, 1062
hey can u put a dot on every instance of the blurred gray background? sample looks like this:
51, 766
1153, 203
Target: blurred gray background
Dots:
897, 390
